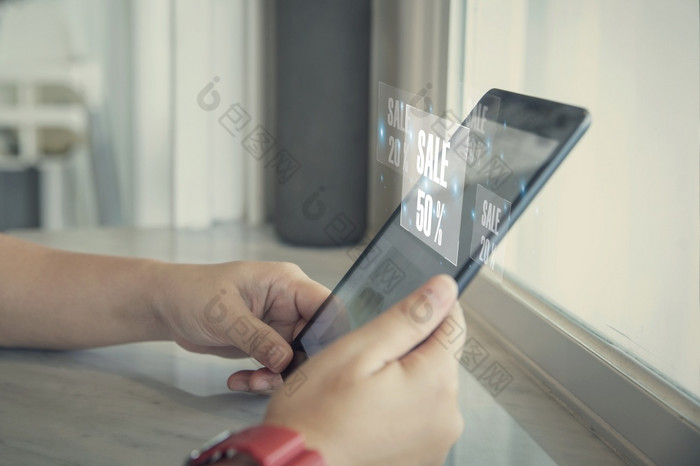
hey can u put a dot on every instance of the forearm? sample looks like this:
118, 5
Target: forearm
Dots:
61, 300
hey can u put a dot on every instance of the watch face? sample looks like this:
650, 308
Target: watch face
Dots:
211, 451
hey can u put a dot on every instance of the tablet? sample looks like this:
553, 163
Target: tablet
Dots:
515, 142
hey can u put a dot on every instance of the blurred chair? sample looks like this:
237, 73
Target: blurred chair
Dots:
48, 98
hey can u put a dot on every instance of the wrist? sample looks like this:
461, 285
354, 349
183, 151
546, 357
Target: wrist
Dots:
155, 297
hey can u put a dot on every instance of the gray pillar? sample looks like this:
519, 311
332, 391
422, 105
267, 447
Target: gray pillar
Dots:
322, 120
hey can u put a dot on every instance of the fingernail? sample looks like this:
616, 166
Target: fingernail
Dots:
442, 291
238, 386
262, 385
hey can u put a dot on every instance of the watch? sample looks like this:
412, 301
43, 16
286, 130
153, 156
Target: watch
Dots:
266, 444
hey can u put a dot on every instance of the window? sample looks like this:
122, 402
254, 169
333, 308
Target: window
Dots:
613, 240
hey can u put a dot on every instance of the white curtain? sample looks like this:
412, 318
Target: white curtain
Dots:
199, 102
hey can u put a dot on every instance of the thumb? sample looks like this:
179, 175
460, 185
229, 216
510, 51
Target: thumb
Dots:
407, 323
259, 340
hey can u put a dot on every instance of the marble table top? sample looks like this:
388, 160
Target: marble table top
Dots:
151, 403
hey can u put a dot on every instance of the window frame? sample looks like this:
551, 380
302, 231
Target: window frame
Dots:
637, 412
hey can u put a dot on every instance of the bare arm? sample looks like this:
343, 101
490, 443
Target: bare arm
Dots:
391, 369
61, 300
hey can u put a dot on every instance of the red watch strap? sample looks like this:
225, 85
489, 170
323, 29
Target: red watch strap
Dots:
269, 445
266, 444
308, 458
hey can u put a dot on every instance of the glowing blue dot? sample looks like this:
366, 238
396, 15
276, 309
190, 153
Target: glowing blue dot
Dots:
522, 186
381, 177
473, 214
455, 189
